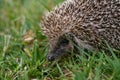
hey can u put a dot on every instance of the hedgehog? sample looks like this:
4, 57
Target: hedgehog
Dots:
86, 24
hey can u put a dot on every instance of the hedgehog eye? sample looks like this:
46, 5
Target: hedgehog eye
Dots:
64, 42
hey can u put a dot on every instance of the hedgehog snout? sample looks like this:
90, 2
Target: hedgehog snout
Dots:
58, 53
51, 57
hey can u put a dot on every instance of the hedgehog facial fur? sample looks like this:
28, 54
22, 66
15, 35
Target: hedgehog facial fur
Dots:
66, 44
63, 47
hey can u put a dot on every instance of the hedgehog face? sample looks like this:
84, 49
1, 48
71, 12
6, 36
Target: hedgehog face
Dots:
62, 47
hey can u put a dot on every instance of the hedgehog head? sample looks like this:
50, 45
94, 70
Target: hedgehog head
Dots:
61, 47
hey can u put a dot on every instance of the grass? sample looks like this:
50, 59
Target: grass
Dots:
23, 59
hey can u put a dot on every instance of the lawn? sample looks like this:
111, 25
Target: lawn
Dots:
24, 48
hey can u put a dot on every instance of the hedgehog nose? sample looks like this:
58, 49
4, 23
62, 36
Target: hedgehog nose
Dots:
51, 58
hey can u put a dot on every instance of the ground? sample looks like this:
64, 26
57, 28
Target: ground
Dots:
23, 48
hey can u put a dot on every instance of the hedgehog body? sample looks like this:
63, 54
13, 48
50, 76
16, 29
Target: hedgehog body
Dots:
88, 23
